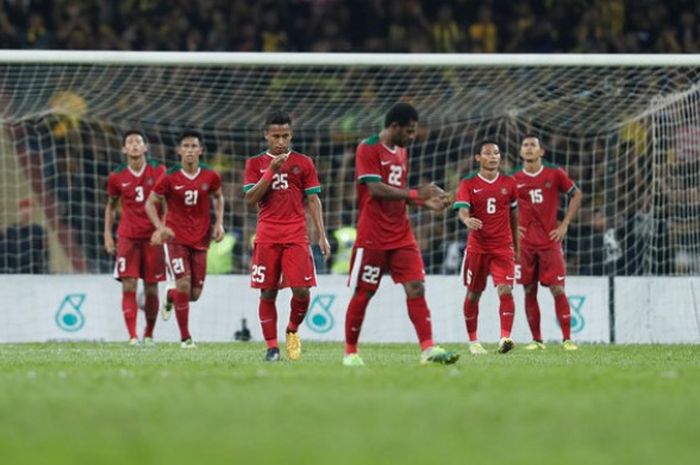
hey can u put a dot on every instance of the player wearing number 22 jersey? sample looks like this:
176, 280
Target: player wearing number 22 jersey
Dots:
487, 204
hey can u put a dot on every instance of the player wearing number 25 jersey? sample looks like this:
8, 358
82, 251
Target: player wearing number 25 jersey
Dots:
130, 184
280, 181
487, 204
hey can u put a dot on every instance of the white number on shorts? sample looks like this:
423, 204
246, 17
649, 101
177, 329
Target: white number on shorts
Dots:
178, 265
491, 205
518, 273
191, 197
139, 194
536, 195
121, 264
370, 274
469, 276
279, 181
395, 175
258, 274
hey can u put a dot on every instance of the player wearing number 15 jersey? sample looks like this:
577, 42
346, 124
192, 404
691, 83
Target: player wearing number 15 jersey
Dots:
279, 181
186, 188
487, 202
137, 258
541, 258
385, 241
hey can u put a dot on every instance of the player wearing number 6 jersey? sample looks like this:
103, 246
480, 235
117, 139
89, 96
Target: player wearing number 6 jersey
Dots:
487, 202
279, 181
385, 241
186, 188
541, 258
131, 183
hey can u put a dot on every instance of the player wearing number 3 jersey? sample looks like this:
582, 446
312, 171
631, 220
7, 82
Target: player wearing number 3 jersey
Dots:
487, 202
385, 241
280, 181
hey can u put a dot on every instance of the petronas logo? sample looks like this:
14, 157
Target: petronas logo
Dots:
319, 319
68, 316
577, 321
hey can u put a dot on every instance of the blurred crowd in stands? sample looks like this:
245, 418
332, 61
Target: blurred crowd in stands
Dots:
472, 26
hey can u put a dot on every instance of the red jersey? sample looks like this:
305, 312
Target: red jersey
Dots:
538, 200
187, 197
133, 189
492, 203
382, 224
281, 218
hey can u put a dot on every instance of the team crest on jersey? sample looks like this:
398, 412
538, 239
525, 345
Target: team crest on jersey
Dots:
205, 186
548, 184
503, 191
150, 181
295, 169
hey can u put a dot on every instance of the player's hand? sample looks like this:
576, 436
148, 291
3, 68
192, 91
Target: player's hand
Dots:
558, 234
278, 161
438, 203
325, 247
428, 191
109, 244
162, 235
473, 223
218, 232
521, 231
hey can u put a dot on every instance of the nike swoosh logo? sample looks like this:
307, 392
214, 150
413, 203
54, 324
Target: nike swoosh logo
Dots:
509, 277
520, 185
307, 278
477, 190
124, 184
177, 188
159, 275
560, 278
262, 170
385, 163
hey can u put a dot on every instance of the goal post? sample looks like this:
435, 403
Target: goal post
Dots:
626, 128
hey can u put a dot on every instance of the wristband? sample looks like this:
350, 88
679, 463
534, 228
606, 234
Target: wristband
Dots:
413, 197
268, 175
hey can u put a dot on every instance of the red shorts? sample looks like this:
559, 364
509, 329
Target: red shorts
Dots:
186, 261
477, 266
137, 258
546, 265
368, 265
275, 266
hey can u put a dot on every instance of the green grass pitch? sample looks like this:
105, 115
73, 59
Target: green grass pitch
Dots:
110, 404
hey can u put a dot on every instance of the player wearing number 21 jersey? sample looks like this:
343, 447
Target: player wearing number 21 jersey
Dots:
540, 185
187, 188
280, 181
130, 184
487, 204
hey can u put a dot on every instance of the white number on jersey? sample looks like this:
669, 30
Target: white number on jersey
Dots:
139, 194
257, 275
279, 181
191, 197
395, 175
370, 274
491, 205
536, 196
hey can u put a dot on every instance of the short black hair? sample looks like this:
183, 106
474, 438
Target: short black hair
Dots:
278, 117
402, 114
130, 132
190, 133
531, 135
489, 141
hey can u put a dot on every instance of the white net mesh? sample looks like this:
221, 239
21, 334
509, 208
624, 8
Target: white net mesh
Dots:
629, 136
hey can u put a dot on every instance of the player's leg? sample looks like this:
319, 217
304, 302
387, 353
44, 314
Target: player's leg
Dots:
180, 265
127, 269
168, 303
502, 268
299, 273
553, 262
474, 274
266, 266
130, 308
366, 269
528, 271
153, 272
151, 310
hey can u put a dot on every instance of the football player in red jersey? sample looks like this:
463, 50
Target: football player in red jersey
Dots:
186, 189
385, 241
539, 185
130, 184
487, 201
280, 181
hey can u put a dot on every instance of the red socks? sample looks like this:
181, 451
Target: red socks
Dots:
471, 316
506, 311
298, 309
129, 308
267, 311
151, 314
353, 320
563, 311
419, 314
532, 310
182, 313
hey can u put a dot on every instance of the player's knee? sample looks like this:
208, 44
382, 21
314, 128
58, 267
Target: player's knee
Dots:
556, 290
473, 296
195, 294
301, 293
414, 289
151, 288
362, 294
129, 285
504, 289
530, 289
183, 285
268, 294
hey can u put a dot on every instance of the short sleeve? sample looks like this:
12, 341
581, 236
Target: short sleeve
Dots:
215, 182
162, 186
463, 199
564, 181
252, 176
367, 167
513, 198
113, 186
311, 183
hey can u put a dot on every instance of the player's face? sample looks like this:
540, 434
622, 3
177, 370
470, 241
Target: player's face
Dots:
134, 146
490, 157
530, 149
190, 149
278, 137
403, 135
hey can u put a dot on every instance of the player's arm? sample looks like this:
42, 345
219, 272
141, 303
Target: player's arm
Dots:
316, 210
258, 191
574, 203
219, 215
468, 220
429, 195
110, 210
162, 232
514, 230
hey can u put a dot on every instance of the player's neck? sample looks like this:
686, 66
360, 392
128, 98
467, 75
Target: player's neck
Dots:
135, 164
533, 166
385, 139
190, 168
488, 174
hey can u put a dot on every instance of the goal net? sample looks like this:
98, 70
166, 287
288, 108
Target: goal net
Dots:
626, 128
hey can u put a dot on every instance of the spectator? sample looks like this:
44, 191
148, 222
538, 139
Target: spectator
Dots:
25, 243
